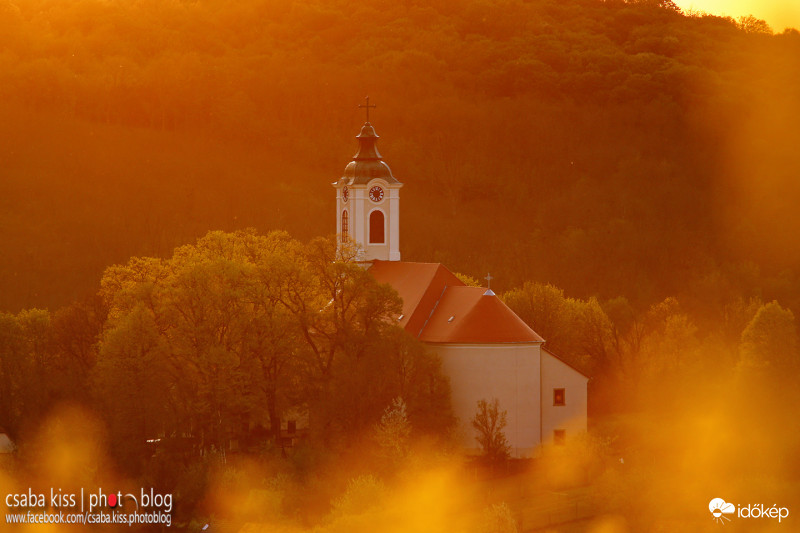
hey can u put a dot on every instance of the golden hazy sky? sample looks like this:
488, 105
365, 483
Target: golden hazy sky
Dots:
779, 14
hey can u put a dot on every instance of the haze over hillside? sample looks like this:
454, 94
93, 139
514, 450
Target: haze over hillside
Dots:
610, 148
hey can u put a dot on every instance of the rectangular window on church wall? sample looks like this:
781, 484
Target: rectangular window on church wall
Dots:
559, 397
559, 437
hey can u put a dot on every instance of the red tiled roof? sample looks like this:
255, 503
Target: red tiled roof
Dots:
470, 315
420, 285
432, 295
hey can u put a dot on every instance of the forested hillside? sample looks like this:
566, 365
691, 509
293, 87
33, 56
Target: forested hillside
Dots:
610, 148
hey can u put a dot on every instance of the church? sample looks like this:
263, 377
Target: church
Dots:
487, 351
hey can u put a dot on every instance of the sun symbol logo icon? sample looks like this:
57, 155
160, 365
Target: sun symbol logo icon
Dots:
719, 508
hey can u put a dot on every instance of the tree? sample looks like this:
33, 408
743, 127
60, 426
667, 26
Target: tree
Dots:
13, 373
344, 318
76, 333
751, 24
33, 377
213, 320
489, 422
594, 337
544, 308
668, 5
132, 382
468, 280
39, 374
667, 340
577, 330
770, 342
736, 316
395, 365
416, 375
269, 339
649, 348
394, 430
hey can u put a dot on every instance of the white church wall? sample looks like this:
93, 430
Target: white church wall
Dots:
508, 372
571, 416
338, 212
394, 224
358, 199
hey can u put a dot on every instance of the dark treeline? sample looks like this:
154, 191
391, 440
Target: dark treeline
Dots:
610, 148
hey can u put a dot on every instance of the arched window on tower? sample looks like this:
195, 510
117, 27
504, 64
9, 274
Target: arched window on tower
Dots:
345, 226
376, 231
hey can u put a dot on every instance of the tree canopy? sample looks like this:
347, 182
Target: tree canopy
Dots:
242, 330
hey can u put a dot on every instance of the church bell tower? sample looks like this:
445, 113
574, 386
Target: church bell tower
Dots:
368, 200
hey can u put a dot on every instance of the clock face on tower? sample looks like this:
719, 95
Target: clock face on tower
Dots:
376, 194
345, 193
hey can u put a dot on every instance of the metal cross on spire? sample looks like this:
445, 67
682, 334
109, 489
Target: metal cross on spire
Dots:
489, 278
367, 106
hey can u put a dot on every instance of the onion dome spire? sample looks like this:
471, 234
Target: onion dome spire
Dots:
368, 162
367, 144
